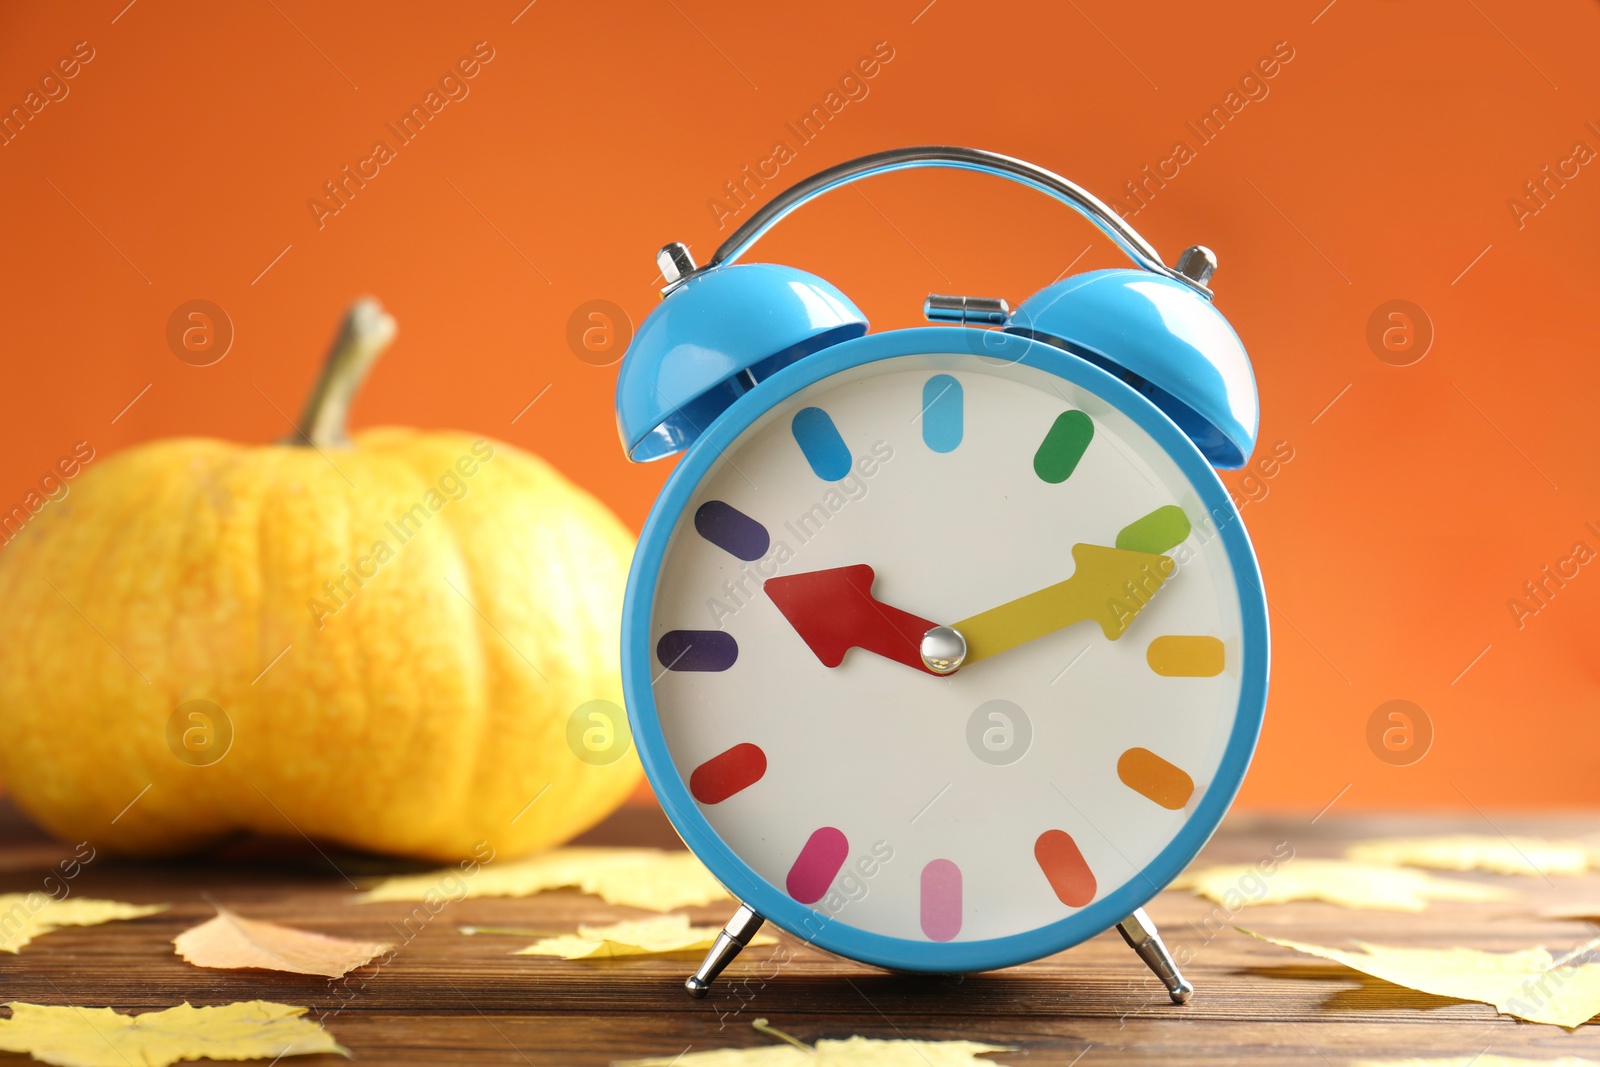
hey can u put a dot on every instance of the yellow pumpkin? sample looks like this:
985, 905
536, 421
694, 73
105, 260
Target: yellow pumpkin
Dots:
406, 642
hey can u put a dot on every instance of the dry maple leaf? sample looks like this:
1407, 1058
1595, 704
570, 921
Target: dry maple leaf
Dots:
850, 1052
232, 942
1473, 852
1482, 1060
1530, 984
648, 878
99, 1037
25, 916
642, 937
1349, 885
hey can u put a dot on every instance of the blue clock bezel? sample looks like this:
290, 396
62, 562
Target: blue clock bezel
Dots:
771, 901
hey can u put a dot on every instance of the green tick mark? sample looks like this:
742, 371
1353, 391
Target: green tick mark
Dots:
1063, 447
1163, 529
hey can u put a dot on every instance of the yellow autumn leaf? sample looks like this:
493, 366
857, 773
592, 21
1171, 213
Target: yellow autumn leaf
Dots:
231, 941
1529, 984
100, 1037
1478, 852
1349, 885
1479, 1061
642, 937
850, 1052
25, 916
649, 878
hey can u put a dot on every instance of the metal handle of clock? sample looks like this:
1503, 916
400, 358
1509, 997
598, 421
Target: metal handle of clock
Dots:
975, 159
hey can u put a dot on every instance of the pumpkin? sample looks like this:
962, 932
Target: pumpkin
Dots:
400, 641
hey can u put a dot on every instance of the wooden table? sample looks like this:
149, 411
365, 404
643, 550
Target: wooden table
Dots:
449, 999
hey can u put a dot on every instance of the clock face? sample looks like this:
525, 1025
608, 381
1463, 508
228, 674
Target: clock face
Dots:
1099, 702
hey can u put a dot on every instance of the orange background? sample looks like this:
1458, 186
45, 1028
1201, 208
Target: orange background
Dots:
1378, 167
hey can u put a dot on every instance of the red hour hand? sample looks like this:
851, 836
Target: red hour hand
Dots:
833, 611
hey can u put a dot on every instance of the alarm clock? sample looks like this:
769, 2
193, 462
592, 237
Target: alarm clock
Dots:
943, 648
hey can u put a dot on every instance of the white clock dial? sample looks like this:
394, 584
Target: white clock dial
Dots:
1059, 760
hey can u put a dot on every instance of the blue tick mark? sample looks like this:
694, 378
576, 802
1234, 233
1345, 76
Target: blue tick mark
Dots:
819, 439
732, 530
942, 420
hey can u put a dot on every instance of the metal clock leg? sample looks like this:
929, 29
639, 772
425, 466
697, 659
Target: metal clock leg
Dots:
1141, 935
735, 936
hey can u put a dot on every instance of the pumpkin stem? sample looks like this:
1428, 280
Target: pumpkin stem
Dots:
366, 332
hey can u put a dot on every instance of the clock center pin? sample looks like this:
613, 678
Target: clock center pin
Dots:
943, 650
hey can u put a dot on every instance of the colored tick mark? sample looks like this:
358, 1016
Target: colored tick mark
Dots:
732, 530
941, 900
1063, 446
819, 861
1186, 656
727, 773
819, 439
942, 419
697, 650
1163, 529
1069, 874
1150, 776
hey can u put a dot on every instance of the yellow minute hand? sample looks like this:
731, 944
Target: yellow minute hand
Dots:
1110, 586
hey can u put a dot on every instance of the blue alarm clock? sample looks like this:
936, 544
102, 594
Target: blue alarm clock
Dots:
944, 648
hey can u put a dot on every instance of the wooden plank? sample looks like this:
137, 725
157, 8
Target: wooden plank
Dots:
450, 998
